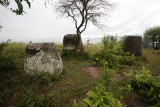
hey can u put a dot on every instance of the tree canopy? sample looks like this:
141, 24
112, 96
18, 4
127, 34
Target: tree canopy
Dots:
152, 33
82, 12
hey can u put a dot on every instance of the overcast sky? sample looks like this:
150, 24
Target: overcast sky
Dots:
128, 17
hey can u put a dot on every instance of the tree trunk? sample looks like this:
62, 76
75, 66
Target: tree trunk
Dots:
79, 42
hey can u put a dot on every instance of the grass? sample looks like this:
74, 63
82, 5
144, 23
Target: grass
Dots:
17, 88
93, 48
153, 61
17, 52
73, 83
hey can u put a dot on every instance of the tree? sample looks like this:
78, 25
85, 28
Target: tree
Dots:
19, 10
81, 12
152, 34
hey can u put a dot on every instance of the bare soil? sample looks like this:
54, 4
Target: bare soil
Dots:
93, 71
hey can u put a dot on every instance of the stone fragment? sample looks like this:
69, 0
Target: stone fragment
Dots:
70, 42
43, 57
133, 44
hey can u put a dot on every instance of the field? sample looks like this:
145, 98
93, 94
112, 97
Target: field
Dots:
20, 89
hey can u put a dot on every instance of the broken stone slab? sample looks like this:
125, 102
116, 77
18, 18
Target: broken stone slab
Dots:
43, 57
70, 42
133, 44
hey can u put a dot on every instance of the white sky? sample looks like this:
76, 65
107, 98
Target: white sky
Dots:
128, 17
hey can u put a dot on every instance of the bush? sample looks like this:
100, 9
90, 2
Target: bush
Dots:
100, 98
146, 85
113, 53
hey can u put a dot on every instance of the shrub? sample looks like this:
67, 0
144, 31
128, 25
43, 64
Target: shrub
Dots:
100, 98
113, 53
146, 85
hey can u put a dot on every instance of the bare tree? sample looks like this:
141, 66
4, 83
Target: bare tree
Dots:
81, 12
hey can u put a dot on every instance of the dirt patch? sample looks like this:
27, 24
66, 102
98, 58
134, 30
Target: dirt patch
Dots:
93, 71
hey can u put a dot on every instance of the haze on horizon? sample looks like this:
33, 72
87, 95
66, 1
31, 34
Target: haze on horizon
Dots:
128, 17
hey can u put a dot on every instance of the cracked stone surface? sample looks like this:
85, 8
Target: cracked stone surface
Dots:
43, 57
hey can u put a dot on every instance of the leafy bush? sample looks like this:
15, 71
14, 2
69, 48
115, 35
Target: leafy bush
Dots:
113, 53
100, 98
146, 85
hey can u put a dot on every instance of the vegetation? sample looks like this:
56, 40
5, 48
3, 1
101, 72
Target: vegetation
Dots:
152, 34
146, 85
0, 27
113, 54
114, 86
81, 12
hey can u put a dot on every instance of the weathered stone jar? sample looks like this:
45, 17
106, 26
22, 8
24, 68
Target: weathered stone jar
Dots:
70, 42
43, 57
133, 44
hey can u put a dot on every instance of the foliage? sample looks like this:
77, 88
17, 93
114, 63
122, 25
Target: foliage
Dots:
23, 88
100, 98
72, 54
3, 45
145, 43
152, 33
16, 52
6, 62
0, 27
113, 54
103, 96
19, 10
29, 99
146, 85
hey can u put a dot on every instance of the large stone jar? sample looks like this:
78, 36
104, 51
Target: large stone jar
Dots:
43, 57
133, 44
70, 42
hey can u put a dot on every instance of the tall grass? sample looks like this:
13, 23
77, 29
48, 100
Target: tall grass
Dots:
17, 52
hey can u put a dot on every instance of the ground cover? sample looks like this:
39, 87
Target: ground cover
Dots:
19, 89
